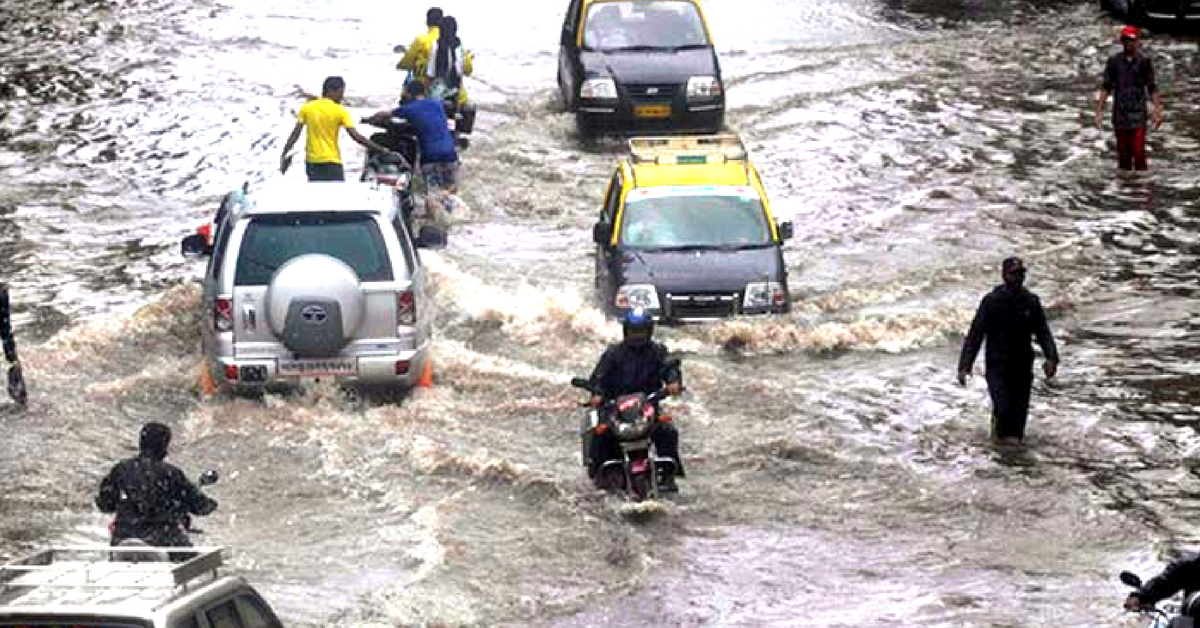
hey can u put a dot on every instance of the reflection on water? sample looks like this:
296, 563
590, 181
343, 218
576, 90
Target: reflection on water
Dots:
914, 143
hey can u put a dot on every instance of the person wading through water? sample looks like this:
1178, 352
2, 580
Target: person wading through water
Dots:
1009, 317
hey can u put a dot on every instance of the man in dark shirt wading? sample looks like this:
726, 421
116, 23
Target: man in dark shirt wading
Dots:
1008, 317
1129, 77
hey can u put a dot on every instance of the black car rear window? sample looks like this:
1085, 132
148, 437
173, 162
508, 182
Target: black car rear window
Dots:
270, 241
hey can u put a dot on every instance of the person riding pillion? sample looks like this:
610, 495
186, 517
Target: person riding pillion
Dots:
448, 63
635, 365
151, 497
416, 56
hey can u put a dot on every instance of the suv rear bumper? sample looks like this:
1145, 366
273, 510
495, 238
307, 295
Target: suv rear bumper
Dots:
370, 370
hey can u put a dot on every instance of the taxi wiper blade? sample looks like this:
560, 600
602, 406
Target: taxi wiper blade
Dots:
744, 247
639, 48
681, 247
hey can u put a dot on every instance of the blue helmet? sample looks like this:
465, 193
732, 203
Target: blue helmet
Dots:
638, 322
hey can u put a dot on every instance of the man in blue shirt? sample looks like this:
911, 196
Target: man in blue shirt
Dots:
439, 159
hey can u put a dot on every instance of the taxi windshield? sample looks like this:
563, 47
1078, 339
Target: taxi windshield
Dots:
711, 219
666, 24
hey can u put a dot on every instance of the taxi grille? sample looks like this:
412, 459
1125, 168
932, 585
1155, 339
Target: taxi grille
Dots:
701, 306
652, 92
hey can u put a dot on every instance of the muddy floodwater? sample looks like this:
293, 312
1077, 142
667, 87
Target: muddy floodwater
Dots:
838, 476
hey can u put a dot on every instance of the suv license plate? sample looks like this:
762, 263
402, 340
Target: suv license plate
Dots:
318, 367
652, 111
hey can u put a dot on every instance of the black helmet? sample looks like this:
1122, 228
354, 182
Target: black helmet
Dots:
638, 326
154, 439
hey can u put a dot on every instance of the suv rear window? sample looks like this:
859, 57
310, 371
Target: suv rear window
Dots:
270, 241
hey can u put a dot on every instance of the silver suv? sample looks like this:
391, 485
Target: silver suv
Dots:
100, 587
314, 280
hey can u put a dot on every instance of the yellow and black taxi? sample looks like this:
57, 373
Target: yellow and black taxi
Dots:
686, 232
647, 65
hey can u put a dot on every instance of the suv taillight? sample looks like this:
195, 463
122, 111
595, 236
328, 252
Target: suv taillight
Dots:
406, 308
223, 314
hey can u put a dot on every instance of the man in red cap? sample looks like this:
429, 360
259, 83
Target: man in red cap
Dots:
1129, 77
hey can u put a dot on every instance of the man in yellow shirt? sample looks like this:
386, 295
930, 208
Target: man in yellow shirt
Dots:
325, 117
416, 57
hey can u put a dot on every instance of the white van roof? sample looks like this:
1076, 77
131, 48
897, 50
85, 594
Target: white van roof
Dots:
85, 579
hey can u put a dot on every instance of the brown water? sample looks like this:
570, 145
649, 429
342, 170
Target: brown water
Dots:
837, 474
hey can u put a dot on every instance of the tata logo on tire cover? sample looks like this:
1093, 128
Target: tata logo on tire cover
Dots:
314, 314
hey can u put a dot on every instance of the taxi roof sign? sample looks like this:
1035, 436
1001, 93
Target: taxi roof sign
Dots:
694, 149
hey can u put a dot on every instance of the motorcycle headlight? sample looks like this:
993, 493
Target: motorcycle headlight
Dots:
598, 88
637, 295
764, 294
631, 430
703, 87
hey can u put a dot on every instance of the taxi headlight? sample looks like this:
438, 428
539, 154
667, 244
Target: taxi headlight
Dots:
703, 87
598, 88
637, 295
764, 294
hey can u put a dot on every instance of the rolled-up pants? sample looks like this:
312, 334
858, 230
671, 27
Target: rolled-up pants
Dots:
1131, 148
1009, 388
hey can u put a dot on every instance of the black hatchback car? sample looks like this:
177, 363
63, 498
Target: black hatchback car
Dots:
1179, 12
640, 65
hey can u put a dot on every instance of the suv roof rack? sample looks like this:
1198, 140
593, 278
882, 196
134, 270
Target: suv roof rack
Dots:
693, 149
97, 575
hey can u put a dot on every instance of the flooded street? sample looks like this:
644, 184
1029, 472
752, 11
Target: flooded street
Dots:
837, 474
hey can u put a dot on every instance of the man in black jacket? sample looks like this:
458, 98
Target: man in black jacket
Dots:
637, 364
151, 497
1009, 316
1182, 574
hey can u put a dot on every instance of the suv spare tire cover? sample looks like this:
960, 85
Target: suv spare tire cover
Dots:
314, 305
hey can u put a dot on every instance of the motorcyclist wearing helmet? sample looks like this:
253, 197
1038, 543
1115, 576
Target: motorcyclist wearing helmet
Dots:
151, 497
636, 364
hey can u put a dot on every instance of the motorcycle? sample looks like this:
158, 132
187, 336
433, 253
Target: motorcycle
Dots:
394, 170
1171, 615
632, 419
140, 550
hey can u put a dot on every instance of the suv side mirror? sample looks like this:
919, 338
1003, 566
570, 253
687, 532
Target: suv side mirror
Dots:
786, 231
195, 245
601, 233
431, 238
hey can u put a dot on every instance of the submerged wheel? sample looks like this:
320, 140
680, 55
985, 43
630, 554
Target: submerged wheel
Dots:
641, 486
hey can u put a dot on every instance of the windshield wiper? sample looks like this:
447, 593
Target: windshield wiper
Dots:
707, 247
743, 247
639, 48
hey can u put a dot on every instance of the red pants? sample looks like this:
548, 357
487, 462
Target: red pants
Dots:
1131, 148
